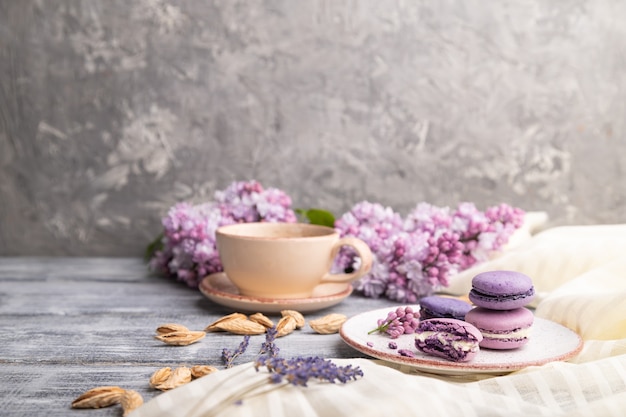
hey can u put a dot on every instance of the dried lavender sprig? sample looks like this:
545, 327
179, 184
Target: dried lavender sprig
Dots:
284, 372
229, 356
269, 346
299, 370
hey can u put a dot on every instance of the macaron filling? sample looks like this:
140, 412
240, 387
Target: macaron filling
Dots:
450, 339
517, 334
505, 297
444, 341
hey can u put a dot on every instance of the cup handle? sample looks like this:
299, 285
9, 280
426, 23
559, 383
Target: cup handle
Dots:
362, 250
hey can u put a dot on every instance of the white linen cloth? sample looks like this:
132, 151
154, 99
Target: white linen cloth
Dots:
579, 273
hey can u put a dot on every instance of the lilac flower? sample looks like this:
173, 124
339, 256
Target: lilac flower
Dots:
415, 257
504, 221
412, 258
483, 233
376, 226
402, 320
375, 283
372, 223
189, 243
247, 202
189, 250
407, 265
428, 218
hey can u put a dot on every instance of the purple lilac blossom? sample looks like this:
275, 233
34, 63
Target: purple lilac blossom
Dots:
412, 257
402, 320
483, 233
189, 250
376, 225
246, 202
428, 218
415, 257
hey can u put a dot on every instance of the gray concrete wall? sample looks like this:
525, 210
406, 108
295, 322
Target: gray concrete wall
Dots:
113, 110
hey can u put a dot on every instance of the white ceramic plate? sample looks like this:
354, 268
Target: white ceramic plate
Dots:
549, 342
219, 289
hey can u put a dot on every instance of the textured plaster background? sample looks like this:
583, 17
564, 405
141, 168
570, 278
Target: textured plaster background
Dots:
112, 111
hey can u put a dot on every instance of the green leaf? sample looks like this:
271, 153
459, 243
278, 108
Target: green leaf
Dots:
155, 245
318, 216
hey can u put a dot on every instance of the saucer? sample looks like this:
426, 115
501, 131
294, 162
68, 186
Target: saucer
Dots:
549, 342
219, 289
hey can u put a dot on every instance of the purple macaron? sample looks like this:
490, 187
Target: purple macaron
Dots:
508, 329
450, 339
501, 290
443, 307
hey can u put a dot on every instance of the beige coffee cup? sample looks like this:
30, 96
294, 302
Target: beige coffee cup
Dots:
284, 260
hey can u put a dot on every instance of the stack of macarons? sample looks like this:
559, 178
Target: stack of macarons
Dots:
501, 315
455, 330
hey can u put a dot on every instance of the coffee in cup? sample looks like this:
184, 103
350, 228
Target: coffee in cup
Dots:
285, 260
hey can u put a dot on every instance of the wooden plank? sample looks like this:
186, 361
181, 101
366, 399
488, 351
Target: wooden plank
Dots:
107, 269
48, 390
101, 339
70, 324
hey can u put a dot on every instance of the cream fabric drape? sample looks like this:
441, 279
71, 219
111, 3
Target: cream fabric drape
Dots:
580, 275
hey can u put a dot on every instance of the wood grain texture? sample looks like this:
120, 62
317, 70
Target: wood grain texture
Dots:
70, 324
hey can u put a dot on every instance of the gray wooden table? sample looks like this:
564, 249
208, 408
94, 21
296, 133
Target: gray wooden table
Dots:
71, 324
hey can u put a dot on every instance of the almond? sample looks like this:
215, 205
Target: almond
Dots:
262, 320
180, 376
180, 338
171, 328
160, 376
328, 324
198, 371
214, 326
285, 326
296, 315
130, 401
99, 397
241, 326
